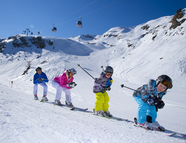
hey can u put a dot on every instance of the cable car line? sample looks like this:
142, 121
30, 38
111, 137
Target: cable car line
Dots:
54, 29
92, 11
82, 15
78, 10
101, 8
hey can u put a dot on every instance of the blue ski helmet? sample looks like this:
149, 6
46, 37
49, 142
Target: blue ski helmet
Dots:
109, 69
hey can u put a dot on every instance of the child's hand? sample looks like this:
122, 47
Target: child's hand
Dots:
159, 103
106, 88
71, 84
39, 79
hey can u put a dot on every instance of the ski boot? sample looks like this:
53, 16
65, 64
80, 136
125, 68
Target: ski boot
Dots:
35, 97
144, 125
157, 126
99, 113
69, 104
44, 98
107, 113
57, 102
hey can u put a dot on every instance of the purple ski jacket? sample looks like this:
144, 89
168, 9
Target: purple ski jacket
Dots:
101, 83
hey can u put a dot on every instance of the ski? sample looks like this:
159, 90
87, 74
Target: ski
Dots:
59, 105
114, 118
40, 100
156, 131
166, 132
79, 109
43, 100
73, 108
172, 133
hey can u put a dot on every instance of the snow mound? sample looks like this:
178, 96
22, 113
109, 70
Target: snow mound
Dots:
71, 47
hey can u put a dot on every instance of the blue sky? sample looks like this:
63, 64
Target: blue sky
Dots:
98, 16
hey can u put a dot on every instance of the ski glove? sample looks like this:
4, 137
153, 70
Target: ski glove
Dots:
71, 84
106, 89
159, 103
40, 79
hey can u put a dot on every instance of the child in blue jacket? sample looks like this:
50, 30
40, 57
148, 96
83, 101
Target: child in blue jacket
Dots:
149, 99
40, 78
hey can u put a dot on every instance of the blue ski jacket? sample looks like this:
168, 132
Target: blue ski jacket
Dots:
148, 93
42, 76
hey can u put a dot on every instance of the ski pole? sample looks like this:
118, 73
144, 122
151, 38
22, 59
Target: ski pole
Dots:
85, 71
127, 87
102, 68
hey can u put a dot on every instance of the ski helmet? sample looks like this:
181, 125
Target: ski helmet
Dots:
38, 68
109, 69
72, 70
165, 80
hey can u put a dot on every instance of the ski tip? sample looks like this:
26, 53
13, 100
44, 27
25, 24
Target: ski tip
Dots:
135, 120
43, 101
171, 134
58, 104
79, 109
73, 108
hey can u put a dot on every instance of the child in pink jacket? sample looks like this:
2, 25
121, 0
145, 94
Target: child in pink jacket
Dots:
64, 83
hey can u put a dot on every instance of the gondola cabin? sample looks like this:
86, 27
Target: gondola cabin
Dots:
54, 29
79, 24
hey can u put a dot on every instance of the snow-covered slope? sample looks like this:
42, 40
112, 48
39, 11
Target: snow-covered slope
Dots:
136, 54
152, 47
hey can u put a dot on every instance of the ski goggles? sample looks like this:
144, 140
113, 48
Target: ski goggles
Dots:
166, 83
108, 74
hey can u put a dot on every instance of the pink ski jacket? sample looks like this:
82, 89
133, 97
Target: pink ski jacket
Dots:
63, 79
